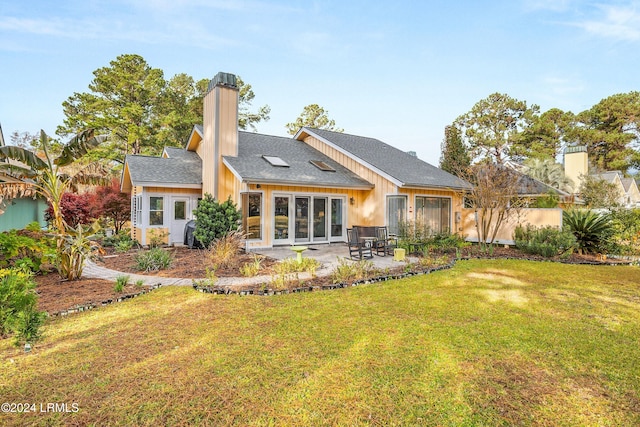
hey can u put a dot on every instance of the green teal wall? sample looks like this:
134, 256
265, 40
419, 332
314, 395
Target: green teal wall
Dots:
20, 212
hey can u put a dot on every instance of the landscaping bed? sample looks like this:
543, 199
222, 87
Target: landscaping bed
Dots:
56, 295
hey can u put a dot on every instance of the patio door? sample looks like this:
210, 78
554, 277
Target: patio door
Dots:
282, 219
302, 219
179, 218
320, 216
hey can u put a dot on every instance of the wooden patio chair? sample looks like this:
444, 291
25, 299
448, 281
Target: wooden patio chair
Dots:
384, 244
357, 246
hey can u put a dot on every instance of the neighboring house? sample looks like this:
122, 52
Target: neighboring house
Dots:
576, 166
16, 213
305, 189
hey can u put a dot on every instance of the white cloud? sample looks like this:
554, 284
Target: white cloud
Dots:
618, 22
552, 5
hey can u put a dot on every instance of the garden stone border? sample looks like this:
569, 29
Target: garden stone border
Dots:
266, 291
96, 305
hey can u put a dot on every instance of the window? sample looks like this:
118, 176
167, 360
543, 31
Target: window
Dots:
156, 210
322, 165
179, 210
252, 215
276, 161
434, 213
336, 217
396, 213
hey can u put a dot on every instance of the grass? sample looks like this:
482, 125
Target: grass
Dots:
486, 343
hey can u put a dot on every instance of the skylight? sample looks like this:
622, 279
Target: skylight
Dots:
322, 165
276, 161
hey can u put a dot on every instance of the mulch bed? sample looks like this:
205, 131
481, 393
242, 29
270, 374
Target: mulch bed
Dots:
57, 295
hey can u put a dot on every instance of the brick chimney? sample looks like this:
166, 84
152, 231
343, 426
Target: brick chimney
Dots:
220, 125
576, 164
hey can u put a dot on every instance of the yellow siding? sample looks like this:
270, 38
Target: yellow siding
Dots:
166, 190
370, 205
206, 149
535, 217
157, 232
226, 136
576, 164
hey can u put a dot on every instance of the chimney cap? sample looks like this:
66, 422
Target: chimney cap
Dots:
575, 149
223, 79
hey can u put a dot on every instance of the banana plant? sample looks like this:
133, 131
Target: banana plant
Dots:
39, 174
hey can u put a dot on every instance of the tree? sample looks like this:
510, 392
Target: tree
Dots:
313, 116
142, 111
494, 125
550, 173
454, 156
247, 119
123, 103
47, 178
179, 107
598, 193
113, 204
494, 196
610, 130
546, 136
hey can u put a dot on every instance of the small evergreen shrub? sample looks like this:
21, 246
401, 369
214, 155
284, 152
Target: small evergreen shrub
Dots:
18, 312
214, 219
153, 260
548, 241
625, 232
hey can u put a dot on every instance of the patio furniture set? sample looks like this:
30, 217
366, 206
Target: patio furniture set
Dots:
363, 241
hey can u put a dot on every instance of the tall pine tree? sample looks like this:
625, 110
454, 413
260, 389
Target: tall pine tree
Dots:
454, 157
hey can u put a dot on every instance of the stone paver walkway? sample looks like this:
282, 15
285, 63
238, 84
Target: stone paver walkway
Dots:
328, 255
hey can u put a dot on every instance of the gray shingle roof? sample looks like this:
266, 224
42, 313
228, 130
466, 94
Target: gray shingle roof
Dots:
182, 167
408, 170
251, 166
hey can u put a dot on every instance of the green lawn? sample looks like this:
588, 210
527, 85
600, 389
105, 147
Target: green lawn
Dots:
486, 343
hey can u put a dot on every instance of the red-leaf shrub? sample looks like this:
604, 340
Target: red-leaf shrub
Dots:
75, 208
113, 204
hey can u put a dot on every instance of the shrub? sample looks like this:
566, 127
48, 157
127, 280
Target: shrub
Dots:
291, 265
18, 313
113, 205
347, 271
123, 246
214, 220
26, 249
625, 232
75, 208
153, 260
222, 251
121, 282
139, 283
590, 229
546, 241
252, 269
157, 237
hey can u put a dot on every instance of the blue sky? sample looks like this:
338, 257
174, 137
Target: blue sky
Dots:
398, 71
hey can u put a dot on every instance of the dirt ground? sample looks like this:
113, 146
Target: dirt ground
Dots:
56, 295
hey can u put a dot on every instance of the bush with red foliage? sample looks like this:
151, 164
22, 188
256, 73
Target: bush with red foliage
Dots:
76, 209
113, 204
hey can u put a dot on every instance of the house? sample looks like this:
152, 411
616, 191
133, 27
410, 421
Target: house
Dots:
17, 212
305, 189
576, 164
